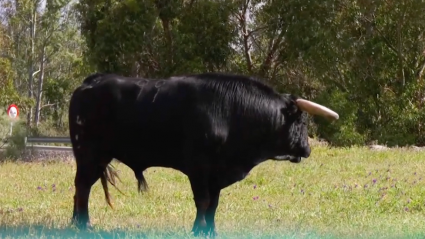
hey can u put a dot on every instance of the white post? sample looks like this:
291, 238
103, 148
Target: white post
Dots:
11, 128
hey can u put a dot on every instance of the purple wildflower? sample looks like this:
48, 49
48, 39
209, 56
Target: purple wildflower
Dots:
255, 186
406, 209
39, 188
374, 181
255, 198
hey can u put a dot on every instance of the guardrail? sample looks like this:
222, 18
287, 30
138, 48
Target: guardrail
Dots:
29, 143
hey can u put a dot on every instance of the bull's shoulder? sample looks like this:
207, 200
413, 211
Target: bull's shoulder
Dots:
236, 82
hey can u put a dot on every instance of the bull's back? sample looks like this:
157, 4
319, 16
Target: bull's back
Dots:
156, 117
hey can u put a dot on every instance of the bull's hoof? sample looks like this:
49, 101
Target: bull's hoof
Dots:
81, 225
204, 232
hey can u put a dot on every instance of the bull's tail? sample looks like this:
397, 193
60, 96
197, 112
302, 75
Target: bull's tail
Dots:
142, 185
109, 175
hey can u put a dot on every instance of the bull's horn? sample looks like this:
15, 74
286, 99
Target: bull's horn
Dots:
316, 109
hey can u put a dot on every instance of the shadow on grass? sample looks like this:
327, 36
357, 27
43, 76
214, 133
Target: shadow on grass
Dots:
43, 231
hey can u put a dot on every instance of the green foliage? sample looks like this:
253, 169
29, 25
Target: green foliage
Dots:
13, 144
344, 131
212, 33
364, 59
8, 93
158, 36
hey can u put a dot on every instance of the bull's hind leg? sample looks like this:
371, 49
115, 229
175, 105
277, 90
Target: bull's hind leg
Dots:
89, 170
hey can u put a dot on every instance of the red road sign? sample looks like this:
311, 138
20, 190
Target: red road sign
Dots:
13, 111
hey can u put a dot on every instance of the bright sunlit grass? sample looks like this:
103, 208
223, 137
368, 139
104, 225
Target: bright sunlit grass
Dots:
336, 193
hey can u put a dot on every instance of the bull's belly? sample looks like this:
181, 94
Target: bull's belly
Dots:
143, 154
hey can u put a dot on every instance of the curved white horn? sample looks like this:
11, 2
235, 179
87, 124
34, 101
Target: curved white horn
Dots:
316, 109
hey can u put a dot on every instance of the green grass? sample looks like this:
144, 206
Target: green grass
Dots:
330, 195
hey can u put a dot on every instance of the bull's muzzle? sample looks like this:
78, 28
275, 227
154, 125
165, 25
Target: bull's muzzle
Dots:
290, 158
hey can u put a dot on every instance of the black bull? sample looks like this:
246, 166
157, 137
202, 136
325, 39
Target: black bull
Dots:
214, 128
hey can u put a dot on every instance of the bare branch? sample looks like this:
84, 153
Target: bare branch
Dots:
272, 48
250, 33
245, 35
47, 105
387, 42
421, 71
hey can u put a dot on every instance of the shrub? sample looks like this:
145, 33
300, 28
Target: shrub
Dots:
342, 132
13, 144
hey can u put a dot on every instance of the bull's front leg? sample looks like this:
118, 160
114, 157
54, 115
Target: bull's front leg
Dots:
202, 201
212, 208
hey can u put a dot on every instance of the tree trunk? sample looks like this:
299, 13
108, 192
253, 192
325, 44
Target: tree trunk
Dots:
31, 62
40, 89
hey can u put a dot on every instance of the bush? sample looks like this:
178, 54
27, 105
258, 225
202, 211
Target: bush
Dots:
342, 132
14, 144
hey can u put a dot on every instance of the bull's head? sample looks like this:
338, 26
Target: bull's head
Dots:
293, 136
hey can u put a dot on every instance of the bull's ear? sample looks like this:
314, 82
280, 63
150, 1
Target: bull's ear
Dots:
290, 109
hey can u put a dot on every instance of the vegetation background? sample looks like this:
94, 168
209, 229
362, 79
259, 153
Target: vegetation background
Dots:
364, 59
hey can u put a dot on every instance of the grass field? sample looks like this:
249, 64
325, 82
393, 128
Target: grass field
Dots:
336, 193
